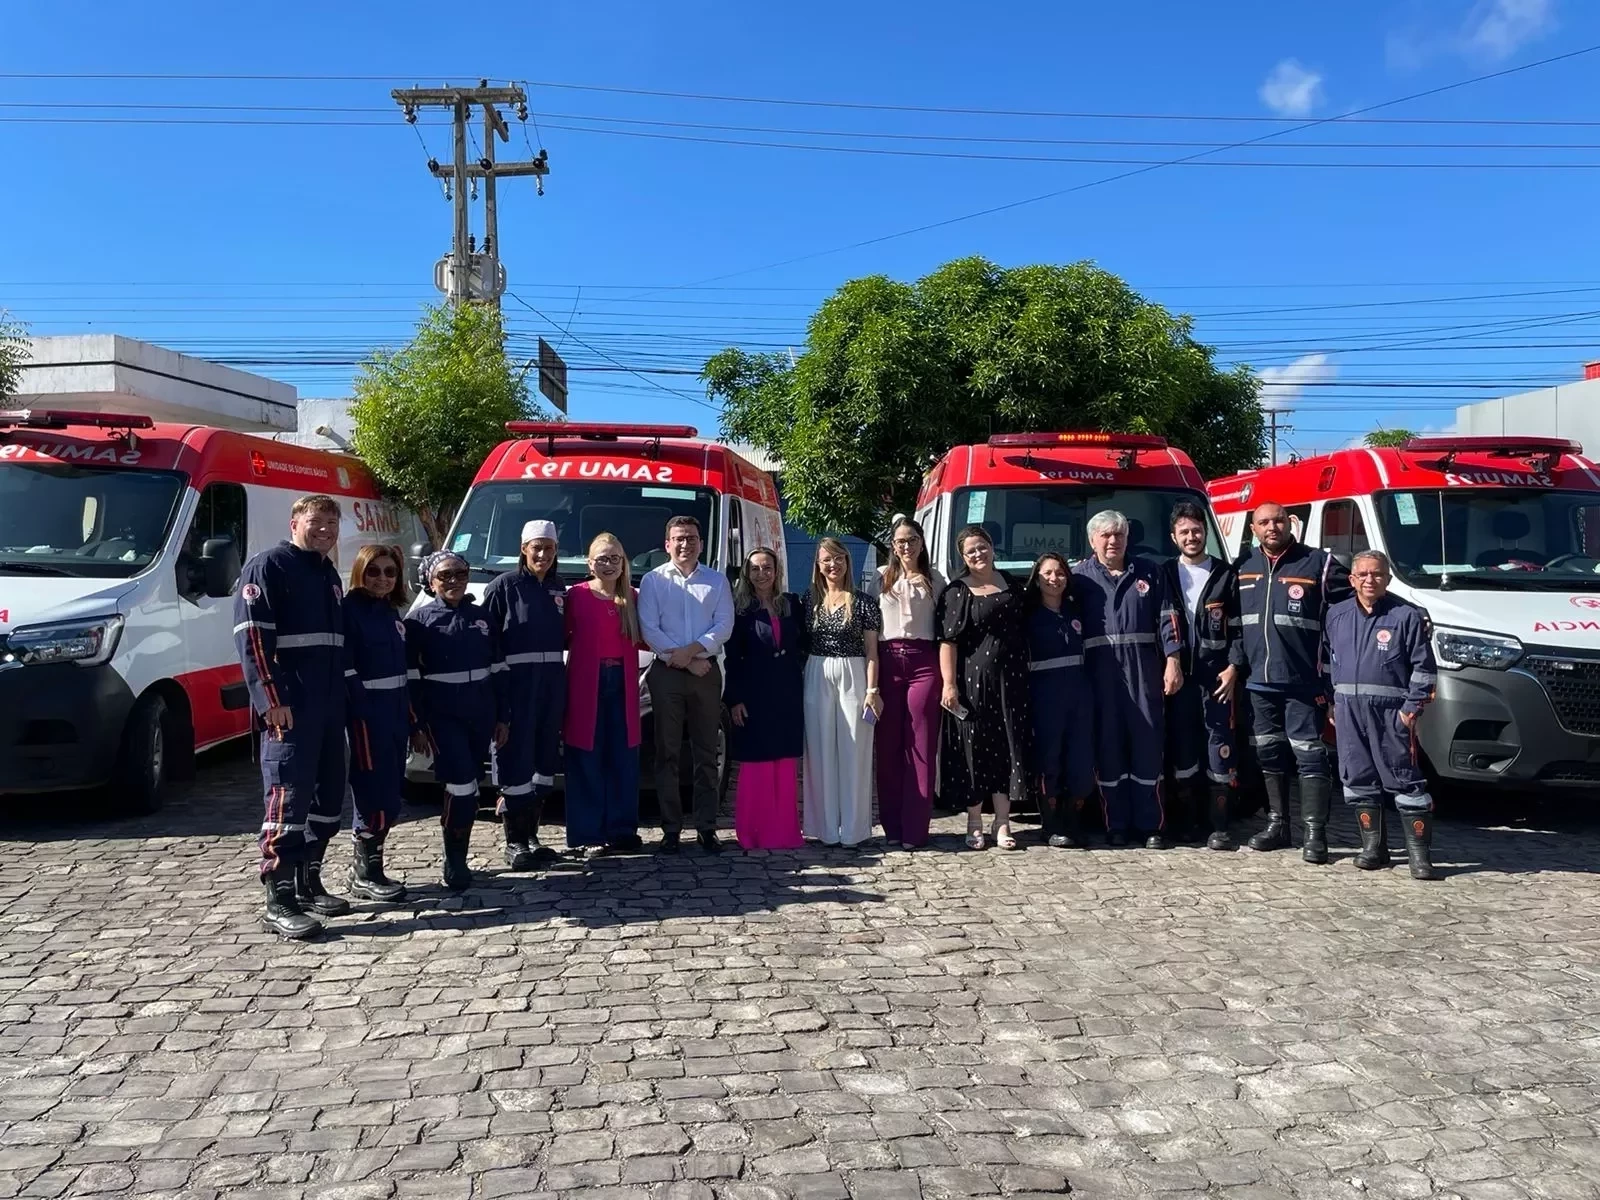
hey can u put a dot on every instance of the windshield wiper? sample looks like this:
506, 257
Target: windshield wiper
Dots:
32, 568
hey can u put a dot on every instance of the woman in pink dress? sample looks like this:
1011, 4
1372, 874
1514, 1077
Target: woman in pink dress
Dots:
764, 661
602, 719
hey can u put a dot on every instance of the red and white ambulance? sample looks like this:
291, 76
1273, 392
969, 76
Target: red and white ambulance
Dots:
627, 480
120, 545
1498, 540
1036, 491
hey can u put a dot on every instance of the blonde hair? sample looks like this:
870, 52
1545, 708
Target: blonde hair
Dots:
627, 611
366, 556
819, 585
744, 592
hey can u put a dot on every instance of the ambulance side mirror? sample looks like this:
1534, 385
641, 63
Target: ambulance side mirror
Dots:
219, 566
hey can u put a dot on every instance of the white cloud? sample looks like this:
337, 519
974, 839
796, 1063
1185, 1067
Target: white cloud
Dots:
1497, 29
1291, 90
1281, 385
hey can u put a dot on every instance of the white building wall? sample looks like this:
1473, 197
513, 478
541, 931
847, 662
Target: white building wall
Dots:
1571, 411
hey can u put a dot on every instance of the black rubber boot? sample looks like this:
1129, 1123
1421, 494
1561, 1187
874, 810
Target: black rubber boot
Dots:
367, 879
457, 875
519, 855
309, 889
541, 852
1419, 844
1276, 835
1374, 854
1219, 806
1316, 798
283, 915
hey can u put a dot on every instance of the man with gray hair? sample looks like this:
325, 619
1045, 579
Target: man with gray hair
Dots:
1131, 641
1381, 654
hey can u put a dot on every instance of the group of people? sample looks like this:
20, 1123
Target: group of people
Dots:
1117, 677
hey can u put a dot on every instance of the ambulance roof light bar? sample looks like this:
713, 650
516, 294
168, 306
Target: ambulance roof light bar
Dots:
597, 431
1131, 445
60, 418
1544, 451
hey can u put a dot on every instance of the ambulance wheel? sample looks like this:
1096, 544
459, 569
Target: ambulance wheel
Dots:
145, 760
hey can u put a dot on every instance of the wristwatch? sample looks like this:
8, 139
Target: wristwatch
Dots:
872, 691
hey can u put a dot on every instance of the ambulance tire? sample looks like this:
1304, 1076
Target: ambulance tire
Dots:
145, 761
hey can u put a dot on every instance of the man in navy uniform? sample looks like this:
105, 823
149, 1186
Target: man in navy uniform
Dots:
1132, 642
527, 606
289, 630
1200, 718
1285, 591
1381, 653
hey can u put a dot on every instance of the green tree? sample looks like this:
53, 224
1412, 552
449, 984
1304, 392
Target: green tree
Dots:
426, 415
1380, 439
893, 374
15, 351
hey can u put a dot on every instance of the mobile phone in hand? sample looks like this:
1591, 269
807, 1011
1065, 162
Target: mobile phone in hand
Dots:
868, 715
960, 712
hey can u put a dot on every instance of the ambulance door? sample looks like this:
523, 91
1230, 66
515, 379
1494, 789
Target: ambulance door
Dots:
216, 543
733, 542
1342, 530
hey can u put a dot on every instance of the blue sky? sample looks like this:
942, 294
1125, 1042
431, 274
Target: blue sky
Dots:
292, 223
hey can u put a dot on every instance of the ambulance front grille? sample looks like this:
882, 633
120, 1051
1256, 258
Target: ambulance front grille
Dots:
1573, 685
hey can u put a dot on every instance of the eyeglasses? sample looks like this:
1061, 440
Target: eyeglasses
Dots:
1369, 575
607, 560
382, 572
687, 539
450, 576
975, 552
905, 543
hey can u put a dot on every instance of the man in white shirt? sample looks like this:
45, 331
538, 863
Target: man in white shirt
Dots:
686, 611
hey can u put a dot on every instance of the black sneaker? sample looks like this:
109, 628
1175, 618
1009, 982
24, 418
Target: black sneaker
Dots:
629, 844
670, 842
1157, 841
709, 842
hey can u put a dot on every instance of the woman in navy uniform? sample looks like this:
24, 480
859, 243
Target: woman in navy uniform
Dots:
1062, 700
378, 715
457, 675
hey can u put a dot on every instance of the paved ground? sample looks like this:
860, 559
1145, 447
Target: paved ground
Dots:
819, 1025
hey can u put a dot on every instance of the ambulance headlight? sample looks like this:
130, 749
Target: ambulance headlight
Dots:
87, 643
1457, 648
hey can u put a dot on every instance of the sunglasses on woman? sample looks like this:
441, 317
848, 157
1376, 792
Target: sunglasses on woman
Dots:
382, 572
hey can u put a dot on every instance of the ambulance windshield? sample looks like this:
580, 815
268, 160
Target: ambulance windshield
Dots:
1025, 521
488, 532
92, 522
1494, 537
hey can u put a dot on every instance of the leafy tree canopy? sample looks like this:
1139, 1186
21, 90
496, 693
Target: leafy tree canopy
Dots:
894, 374
1379, 439
15, 351
426, 415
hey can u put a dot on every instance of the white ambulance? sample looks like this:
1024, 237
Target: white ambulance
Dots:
121, 542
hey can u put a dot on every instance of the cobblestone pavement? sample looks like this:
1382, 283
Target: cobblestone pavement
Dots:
882, 1025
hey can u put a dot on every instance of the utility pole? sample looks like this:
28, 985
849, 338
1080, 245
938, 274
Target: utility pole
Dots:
1272, 422
470, 274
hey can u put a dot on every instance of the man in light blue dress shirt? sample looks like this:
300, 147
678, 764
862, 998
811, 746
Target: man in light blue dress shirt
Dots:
686, 610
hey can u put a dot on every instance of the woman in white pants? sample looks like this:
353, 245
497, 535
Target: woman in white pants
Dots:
841, 701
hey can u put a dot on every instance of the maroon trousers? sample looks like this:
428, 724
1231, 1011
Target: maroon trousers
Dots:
907, 738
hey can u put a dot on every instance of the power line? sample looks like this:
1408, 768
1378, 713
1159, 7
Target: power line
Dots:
1142, 170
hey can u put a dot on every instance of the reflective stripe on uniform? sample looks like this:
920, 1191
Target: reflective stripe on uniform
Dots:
1361, 793
350, 672
243, 625
413, 674
1213, 644
472, 676
1297, 622
386, 684
1055, 664
1267, 739
1218, 776
499, 666
282, 827
1145, 782
1250, 619
536, 656
1120, 639
544, 781
1304, 744
1423, 679
299, 641
461, 789
1186, 773
333, 820
517, 789
1371, 689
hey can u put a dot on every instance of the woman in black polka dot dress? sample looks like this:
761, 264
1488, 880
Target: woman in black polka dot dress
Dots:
983, 659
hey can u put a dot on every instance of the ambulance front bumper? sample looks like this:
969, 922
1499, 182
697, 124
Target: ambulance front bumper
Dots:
60, 726
1536, 725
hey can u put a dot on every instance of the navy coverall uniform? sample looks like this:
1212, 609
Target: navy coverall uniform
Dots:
288, 625
528, 616
378, 702
1382, 665
457, 676
1130, 627
1062, 702
1282, 604
1200, 728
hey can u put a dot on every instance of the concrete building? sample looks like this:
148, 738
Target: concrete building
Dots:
1570, 410
103, 372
